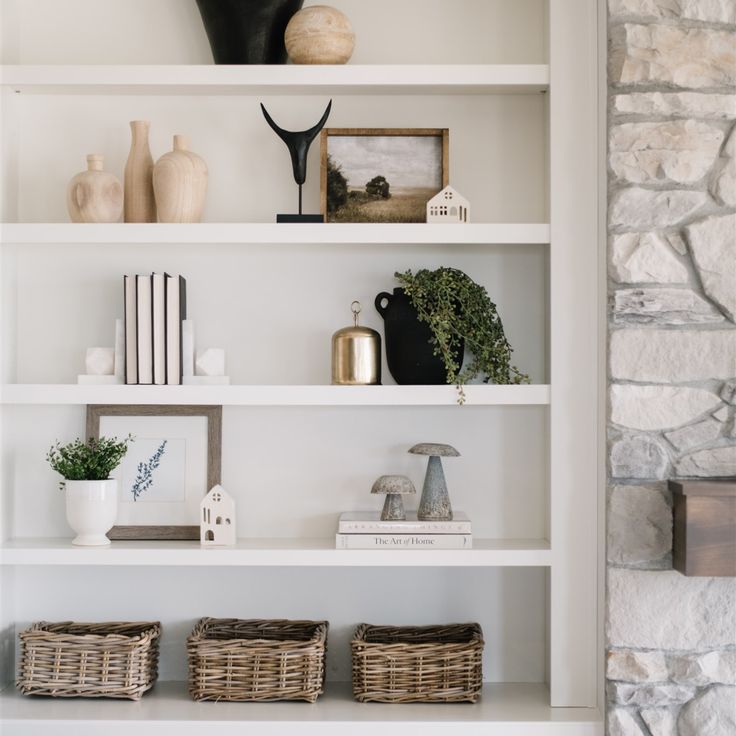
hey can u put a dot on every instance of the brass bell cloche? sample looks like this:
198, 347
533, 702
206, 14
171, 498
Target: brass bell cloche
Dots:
356, 354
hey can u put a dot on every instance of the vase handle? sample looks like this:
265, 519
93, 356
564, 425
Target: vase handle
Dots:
378, 302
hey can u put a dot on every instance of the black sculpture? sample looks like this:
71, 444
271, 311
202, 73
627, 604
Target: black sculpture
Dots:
298, 144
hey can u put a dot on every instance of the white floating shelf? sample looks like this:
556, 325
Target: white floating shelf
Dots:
271, 395
334, 233
274, 552
504, 709
350, 79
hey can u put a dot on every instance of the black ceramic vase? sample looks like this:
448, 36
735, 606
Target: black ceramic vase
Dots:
409, 352
247, 31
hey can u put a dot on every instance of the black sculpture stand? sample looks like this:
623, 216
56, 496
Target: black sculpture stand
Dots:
298, 144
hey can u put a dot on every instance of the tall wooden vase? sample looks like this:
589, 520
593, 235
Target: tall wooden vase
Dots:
180, 184
139, 203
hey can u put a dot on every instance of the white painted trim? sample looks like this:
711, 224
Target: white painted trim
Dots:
373, 79
259, 232
273, 395
574, 320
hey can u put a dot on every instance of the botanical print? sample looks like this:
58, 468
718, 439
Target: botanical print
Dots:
382, 178
154, 471
144, 479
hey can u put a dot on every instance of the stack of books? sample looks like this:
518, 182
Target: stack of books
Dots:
155, 307
365, 530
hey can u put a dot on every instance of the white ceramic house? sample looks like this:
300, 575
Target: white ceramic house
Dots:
448, 206
217, 518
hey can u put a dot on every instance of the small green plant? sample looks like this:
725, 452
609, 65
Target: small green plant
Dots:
456, 308
94, 459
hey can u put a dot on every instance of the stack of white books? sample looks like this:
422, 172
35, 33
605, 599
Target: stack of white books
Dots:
365, 530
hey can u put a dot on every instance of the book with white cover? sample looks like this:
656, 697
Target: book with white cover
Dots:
159, 328
369, 522
176, 313
144, 321
131, 328
404, 541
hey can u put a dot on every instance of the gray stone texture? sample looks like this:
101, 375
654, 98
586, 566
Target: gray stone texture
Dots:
676, 356
659, 721
724, 181
713, 713
695, 435
711, 463
669, 152
663, 306
713, 246
645, 258
641, 456
649, 695
659, 407
693, 58
728, 391
714, 11
635, 208
621, 722
705, 668
639, 531
676, 104
630, 666
666, 610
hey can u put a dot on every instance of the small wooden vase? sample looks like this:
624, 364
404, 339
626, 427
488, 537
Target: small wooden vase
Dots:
94, 195
140, 205
180, 184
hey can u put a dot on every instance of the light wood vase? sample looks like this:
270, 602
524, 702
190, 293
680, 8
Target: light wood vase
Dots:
319, 35
94, 195
180, 184
140, 205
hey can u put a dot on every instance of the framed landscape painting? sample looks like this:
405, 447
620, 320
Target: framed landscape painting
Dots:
382, 174
170, 466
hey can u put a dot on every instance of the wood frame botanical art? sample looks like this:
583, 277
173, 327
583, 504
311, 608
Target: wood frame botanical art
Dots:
213, 415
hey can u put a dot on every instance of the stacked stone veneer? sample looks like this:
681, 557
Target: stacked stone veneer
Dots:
671, 661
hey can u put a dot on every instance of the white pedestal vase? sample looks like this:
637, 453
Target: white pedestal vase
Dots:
91, 508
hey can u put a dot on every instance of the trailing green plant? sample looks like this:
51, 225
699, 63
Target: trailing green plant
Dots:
456, 309
94, 459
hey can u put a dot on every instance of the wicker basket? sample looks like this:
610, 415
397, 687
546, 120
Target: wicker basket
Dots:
233, 659
105, 660
417, 664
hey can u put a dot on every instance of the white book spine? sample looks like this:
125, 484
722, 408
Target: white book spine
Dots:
403, 541
404, 527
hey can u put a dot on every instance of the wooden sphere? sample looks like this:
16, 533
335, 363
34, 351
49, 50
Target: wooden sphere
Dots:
319, 35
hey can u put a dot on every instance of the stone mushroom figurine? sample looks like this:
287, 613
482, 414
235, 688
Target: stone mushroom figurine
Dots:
434, 504
394, 486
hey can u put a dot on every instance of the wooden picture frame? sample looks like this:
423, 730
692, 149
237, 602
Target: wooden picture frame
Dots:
443, 134
213, 414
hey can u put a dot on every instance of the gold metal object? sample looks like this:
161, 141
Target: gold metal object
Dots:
356, 354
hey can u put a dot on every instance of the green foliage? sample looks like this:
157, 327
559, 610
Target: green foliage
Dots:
378, 187
456, 308
91, 460
337, 186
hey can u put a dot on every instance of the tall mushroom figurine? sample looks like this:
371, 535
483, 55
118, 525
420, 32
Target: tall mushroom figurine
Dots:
394, 486
434, 504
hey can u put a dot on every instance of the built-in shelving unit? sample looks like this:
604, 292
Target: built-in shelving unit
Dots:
275, 552
378, 79
297, 452
503, 710
480, 395
271, 233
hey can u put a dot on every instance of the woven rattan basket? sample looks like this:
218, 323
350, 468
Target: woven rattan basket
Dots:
105, 660
417, 664
235, 659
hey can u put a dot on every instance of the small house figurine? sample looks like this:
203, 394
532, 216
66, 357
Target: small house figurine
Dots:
448, 206
217, 521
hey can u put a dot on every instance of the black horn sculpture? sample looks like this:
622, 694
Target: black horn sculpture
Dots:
298, 144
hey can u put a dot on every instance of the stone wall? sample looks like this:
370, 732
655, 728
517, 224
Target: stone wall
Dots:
671, 661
